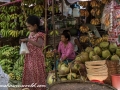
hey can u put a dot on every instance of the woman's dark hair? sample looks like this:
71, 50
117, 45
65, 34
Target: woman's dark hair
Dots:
66, 31
32, 19
66, 35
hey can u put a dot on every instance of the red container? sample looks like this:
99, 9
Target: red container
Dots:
116, 81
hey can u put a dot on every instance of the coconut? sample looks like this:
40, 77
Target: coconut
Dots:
92, 53
78, 58
63, 79
88, 49
96, 57
112, 47
118, 51
84, 57
75, 67
64, 69
115, 57
51, 78
106, 54
71, 76
104, 45
97, 50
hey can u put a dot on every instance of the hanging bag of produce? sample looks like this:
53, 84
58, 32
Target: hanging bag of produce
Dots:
23, 48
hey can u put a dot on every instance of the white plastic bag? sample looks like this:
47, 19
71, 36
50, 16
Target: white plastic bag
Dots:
23, 48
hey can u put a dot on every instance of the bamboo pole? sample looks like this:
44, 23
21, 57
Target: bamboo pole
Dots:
45, 19
53, 23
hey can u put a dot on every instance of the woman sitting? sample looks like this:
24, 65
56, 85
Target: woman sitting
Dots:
66, 49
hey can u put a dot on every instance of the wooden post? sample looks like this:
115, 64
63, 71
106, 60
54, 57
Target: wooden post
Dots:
53, 23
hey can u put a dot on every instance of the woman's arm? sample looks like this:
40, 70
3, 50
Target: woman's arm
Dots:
39, 42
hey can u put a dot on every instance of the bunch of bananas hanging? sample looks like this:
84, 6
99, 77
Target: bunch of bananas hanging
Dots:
13, 8
14, 16
105, 1
2, 16
38, 8
84, 28
13, 25
84, 4
95, 21
101, 39
4, 24
92, 41
84, 39
5, 33
4, 9
14, 33
52, 33
84, 12
21, 32
95, 3
49, 54
95, 11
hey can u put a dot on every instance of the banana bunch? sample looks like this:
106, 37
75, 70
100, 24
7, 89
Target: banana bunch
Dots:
98, 41
84, 28
38, 14
14, 16
12, 76
92, 41
49, 54
95, 11
4, 25
21, 32
95, 3
4, 9
38, 8
50, 8
84, 4
13, 8
13, 25
5, 33
7, 18
28, 32
14, 33
95, 21
105, 1
84, 13
52, 33
2, 16
84, 39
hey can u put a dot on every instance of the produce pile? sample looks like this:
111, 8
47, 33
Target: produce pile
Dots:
70, 71
11, 62
104, 51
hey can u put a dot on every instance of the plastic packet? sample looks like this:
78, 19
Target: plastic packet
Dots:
23, 48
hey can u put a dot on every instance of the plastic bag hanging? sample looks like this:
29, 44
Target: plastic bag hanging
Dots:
23, 48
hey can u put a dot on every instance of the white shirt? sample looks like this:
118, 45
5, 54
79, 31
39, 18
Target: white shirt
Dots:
73, 42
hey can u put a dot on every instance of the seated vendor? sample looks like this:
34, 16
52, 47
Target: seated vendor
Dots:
66, 49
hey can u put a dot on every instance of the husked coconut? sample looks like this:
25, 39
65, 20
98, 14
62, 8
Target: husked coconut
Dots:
97, 50
118, 51
106, 54
115, 57
104, 45
71, 76
96, 57
92, 53
88, 49
112, 47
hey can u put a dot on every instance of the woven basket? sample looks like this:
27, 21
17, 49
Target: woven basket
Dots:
77, 85
112, 69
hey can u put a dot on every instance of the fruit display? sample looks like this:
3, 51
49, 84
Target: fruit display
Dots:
84, 38
95, 3
95, 21
84, 12
84, 4
84, 29
95, 12
103, 51
70, 71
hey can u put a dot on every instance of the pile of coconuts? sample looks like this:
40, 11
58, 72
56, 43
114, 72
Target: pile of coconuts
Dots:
70, 71
104, 51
